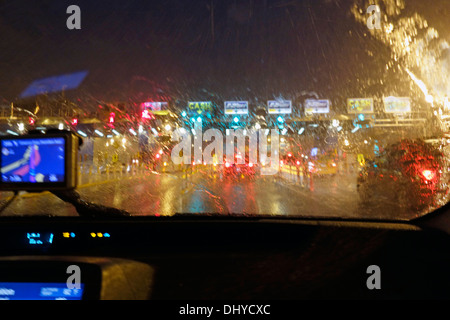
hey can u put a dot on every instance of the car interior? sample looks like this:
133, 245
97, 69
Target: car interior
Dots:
211, 257
226, 152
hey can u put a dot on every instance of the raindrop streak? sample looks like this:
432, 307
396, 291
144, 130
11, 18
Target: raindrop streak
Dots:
414, 46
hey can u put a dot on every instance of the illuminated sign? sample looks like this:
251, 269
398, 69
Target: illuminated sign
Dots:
397, 104
236, 107
317, 106
199, 107
360, 105
279, 106
54, 84
154, 106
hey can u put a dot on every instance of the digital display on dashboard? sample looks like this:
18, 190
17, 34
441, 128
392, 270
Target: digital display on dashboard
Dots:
39, 291
33, 160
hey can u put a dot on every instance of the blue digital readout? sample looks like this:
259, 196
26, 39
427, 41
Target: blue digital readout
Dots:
39, 238
39, 291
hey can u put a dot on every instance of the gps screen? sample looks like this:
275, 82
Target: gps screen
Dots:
34, 160
39, 291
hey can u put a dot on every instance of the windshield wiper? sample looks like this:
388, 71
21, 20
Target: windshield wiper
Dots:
86, 208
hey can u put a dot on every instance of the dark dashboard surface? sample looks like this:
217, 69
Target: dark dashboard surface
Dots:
249, 258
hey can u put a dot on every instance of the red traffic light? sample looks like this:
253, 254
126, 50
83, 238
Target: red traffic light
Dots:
74, 121
112, 117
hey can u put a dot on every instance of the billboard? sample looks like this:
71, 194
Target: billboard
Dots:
279, 106
317, 106
199, 107
360, 105
154, 106
236, 107
54, 84
397, 104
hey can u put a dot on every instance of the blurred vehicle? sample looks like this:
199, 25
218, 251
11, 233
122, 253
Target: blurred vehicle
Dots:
410, 173
324, 165
237, 169
161, 161
290, 159
294, 163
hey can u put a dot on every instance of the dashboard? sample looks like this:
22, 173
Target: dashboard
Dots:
208, 258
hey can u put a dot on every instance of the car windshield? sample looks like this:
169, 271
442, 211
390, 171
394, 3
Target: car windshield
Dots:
286, 108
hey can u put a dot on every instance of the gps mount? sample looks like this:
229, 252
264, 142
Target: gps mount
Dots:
38, 162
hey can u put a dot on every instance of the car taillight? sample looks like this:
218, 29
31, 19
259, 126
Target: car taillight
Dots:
227, 164
298, 162
158, 156
333, 164
428, 174
250, 164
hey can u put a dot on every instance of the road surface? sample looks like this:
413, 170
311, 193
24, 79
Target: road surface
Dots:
206, 191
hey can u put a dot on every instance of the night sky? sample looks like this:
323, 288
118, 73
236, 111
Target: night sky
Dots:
201, 49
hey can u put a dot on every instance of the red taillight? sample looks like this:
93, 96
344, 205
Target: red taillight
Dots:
333, 164
250, 164
428, 174
227, 164
157, 156
298, 162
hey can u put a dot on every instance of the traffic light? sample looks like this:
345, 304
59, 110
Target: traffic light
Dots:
74, 121
280, 120
112, 117
361, 121
184, 114
236, 119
